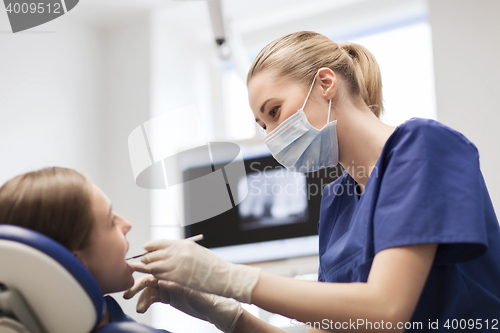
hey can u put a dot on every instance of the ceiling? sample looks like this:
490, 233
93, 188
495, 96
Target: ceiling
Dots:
253, 21
248, 14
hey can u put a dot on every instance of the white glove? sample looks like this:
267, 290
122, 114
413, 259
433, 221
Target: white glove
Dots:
194, 266
220, 311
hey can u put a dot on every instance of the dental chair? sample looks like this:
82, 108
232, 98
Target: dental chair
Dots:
45, 289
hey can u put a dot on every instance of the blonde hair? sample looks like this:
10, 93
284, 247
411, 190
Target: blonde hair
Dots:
299, 55
53, 201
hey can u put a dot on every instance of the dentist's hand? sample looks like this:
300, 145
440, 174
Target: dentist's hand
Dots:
220, 311
196, 267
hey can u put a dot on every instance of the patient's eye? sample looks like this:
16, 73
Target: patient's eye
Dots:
113, 220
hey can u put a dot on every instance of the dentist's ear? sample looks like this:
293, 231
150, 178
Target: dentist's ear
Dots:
329, 83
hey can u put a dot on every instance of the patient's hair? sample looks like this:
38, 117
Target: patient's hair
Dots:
53, 201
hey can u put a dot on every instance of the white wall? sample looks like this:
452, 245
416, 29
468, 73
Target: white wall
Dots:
125, 97
49, 104
466, 47
185, 71
71, 92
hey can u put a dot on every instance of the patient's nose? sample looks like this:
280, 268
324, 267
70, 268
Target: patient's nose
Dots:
126, 225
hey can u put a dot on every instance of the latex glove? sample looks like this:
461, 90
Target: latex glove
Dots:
194, 266
220, 311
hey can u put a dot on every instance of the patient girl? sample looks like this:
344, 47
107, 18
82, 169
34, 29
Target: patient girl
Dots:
65, 206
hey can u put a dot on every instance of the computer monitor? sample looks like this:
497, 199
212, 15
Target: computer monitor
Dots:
277, 219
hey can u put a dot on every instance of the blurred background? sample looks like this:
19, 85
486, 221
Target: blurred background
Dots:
73, 89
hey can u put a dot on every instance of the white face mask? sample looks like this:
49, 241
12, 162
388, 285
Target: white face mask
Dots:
300, 147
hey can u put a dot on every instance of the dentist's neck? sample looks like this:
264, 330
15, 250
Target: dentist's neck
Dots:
361, 138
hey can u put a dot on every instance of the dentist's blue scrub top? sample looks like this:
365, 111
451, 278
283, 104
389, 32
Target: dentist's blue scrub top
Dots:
426, 188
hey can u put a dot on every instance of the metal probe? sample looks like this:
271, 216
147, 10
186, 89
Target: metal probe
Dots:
193, 238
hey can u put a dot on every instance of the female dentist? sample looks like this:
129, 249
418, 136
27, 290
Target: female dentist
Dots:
409, 240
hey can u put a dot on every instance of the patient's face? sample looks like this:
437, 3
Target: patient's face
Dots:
105, 256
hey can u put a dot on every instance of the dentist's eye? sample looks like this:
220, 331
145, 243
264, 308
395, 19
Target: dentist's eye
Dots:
273, 111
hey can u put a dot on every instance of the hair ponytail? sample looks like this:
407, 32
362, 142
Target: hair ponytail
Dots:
299, 56
368, 76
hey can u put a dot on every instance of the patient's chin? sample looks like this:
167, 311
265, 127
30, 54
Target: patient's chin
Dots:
122, 285
130, 278
118, 283
130, 285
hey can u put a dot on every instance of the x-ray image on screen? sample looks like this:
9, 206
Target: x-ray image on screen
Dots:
275, 197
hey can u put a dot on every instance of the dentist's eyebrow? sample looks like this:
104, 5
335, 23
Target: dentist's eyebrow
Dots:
110, 210
263, 105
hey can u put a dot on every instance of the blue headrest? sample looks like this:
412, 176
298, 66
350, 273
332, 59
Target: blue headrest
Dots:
15, 239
